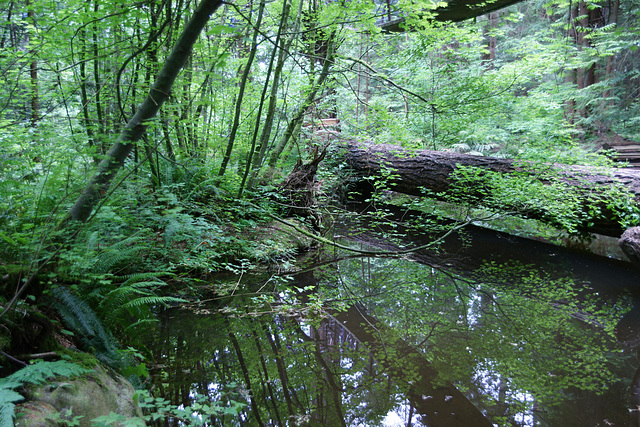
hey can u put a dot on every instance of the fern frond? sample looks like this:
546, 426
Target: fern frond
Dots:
123, 293
7, 399
8, 396
137, 277
7, 409
77, 314
104, 261
39, 372
147, 286
140, 322
153, 300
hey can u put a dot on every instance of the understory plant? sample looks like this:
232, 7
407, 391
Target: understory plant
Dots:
37, 373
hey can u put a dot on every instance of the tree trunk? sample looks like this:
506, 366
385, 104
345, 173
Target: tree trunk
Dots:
243, 84
297, 119
611, 60
33, 70
424, 172
134, 129
265, 136
489, 56
254, 160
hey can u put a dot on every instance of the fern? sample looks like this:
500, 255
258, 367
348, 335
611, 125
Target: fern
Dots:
133, 278
79, 317
152, 300
38, 373
136, 292
8, 398
124, 250
90, 264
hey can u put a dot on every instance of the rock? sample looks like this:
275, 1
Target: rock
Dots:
630, 244
36, 414
90, 396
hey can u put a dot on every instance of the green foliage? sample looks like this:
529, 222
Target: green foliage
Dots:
514, 325
73, 73
81, 319
8, 399
40, 372
157, 409
540, 192
36, 373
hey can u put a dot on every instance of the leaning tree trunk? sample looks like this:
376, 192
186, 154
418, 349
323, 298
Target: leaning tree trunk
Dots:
135, 128
437, 174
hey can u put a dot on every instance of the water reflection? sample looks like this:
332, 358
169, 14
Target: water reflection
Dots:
372, 341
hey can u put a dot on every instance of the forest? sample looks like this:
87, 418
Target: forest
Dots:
303, 212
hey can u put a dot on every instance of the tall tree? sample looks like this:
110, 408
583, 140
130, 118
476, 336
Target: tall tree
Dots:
135, 128
243, 84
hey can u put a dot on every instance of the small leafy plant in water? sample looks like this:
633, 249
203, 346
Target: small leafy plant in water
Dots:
158, 409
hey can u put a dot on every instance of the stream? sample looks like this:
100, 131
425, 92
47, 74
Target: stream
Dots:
484, 329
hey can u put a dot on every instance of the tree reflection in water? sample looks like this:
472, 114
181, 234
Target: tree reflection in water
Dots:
373, 342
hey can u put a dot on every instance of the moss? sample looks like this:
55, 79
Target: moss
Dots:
86, 360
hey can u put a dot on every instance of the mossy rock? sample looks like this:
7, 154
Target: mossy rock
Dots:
96, 394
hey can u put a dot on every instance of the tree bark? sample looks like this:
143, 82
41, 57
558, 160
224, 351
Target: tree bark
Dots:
489, 57
424, 172
268, 121
134, 129
296, 121
243, 84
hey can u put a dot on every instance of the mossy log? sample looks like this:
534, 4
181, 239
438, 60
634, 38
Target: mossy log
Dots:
423, 172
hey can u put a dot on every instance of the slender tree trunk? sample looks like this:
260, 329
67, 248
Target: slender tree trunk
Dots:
33, 71
334, 387
489, 57
153, 65
35, 99
282, 372
84, 97
296, 121
267, 380
132, 132
171, 155
263, 95
570, 77
611, 60
243, 84
96, 77
254, 160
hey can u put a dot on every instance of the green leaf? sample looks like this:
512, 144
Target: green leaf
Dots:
116, 419
39, 372
219, 29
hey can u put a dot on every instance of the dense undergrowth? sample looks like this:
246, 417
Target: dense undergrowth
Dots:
197, 194
93, 288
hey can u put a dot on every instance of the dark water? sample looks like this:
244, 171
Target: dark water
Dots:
486, 330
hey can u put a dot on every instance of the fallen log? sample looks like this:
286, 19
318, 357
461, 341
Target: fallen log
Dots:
575, 198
